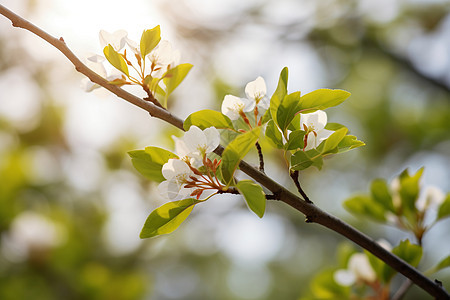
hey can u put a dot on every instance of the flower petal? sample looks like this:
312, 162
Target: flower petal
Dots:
263, 104
195, 140
180, 147
212, 138
231, 106
256, 89
174, 168
116, 39
344, 277
315, 121
360, 266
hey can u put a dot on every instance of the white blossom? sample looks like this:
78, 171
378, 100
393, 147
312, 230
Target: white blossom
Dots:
163, 58
116, 39
358, 269
256, 90
196, 143
177, 173
233, 106
314, 125
430, 197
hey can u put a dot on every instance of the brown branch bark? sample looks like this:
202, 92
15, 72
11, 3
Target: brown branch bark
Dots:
313, 213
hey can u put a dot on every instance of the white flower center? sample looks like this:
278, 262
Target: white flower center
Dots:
182, 178
238, 107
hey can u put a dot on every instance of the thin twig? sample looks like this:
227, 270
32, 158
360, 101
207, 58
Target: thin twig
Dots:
294, 175
150, 97
312, 212
260, 156
402, 290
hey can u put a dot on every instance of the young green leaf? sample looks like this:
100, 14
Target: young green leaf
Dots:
333, 126
235, 152
322, 99
168, 217
115, 59
349, 142
332, 142
279, 94
208, 118
444, 263
149, 40
380, 194
149, 162
287, 110
274, 134
365, 206
296, 140
253, 195
411, 253
300, 161
266, 117
175, 76
409, 191
444, 208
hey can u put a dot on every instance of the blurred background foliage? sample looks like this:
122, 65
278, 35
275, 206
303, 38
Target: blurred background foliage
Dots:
71, 205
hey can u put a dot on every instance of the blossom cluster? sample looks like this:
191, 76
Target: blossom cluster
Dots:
154, 64
258, 102
193, 173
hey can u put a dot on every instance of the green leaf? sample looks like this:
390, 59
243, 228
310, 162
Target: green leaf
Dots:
274, 134
149, 162
444, 263
174, 76
279, 94
365, 206
317, 161
149, 40
295, 123
333, 126
409, 192
168, 217
349, 142
153, 85
296, 140
300, 161
332, 142
266, 117
235, 152
287, 110
444, 208
380, 194
253, 195
411, 253
208, 118
322, 99
116, 59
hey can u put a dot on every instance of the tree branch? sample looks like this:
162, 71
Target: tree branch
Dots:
312, 212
